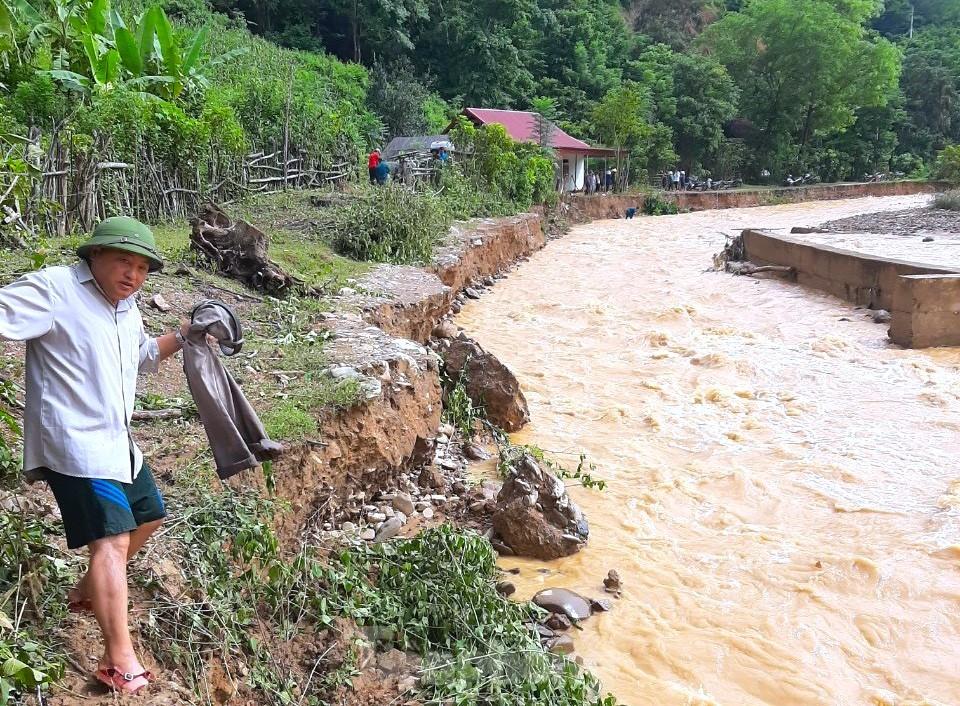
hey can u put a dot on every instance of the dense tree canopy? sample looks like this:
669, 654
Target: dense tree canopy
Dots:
806, 67
840, 87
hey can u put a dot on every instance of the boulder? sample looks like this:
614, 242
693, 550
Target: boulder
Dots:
558, 622
489, 383
565, 602
612, 582
392, 661
474, 452
404, 503
561, 645
431, 477
390, 528
600, 605
445, 329
534, 516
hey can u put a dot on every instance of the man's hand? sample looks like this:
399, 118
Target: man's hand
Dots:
169, 343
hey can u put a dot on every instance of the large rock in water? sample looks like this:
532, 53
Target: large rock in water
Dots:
488, 383
534, 515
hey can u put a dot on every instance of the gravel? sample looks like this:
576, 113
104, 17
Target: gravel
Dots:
909, 222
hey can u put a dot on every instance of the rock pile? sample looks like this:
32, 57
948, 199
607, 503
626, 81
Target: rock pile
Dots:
566, 609
437, 487
534, 516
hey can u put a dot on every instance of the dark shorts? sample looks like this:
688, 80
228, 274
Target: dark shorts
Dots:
94, 508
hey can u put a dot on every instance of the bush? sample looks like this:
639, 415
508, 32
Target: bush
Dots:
947, 166
949, 201
519, 172
435, 593
910, 164
390, 224
653, 205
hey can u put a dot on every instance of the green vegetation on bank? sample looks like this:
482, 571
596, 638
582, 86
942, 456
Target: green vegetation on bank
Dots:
949, 201
236, 597
34, 576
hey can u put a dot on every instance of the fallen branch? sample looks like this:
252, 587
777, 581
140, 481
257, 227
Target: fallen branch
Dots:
748, 268
239, 295
152, 415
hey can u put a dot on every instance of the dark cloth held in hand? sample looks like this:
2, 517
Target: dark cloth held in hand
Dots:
236, 436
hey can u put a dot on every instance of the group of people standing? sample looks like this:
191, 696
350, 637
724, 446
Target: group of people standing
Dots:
596, 182
379, 171
675, 180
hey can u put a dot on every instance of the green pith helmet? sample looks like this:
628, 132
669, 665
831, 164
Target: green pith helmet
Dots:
124, 233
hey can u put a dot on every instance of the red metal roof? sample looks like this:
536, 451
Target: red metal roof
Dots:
521, 126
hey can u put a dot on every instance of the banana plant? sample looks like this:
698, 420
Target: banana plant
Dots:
94, 49
178, 58
13, 15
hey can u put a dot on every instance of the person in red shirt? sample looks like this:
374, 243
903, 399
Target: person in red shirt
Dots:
372, 163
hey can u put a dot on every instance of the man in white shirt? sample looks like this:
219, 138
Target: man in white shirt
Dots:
85, 346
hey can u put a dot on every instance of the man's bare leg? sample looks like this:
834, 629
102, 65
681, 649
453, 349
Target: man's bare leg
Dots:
107, 583
138, 537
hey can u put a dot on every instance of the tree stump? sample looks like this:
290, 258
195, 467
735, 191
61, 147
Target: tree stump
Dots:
238, 250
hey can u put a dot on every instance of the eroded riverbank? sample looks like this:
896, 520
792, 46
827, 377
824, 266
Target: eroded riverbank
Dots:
783, 492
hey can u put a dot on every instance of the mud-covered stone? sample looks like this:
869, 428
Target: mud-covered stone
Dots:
561, 645
564, 602
534, 516
489, 383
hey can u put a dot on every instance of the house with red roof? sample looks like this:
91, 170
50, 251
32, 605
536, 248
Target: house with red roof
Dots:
572, 154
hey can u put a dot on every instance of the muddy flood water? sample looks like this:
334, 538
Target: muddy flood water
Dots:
784, 488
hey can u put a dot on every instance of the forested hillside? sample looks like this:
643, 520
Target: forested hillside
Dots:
837, 87
185, 91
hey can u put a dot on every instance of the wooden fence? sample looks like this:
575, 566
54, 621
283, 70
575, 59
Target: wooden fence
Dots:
63, 188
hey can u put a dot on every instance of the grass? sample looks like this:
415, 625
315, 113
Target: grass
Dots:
297, 238
288, 421
295, 417
950, 201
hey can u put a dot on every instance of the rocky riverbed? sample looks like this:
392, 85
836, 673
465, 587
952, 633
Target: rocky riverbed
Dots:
911, 221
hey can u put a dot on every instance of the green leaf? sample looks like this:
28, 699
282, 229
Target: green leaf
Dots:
29, 14
93, 57
168, 43
13, 666
129, 51
97, 16
6, 20
195, 48
71, 79
146, 32
111, 65
116, 20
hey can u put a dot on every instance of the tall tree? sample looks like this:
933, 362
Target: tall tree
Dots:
580, 51
931, 86
545, 110
480, 51
706, 99
622, 121
805, 67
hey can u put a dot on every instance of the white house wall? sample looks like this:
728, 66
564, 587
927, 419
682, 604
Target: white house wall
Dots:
575, 180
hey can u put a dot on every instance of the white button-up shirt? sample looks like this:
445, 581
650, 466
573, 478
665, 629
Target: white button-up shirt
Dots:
83, 356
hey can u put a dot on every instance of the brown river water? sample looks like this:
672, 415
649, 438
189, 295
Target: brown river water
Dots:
783, 503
